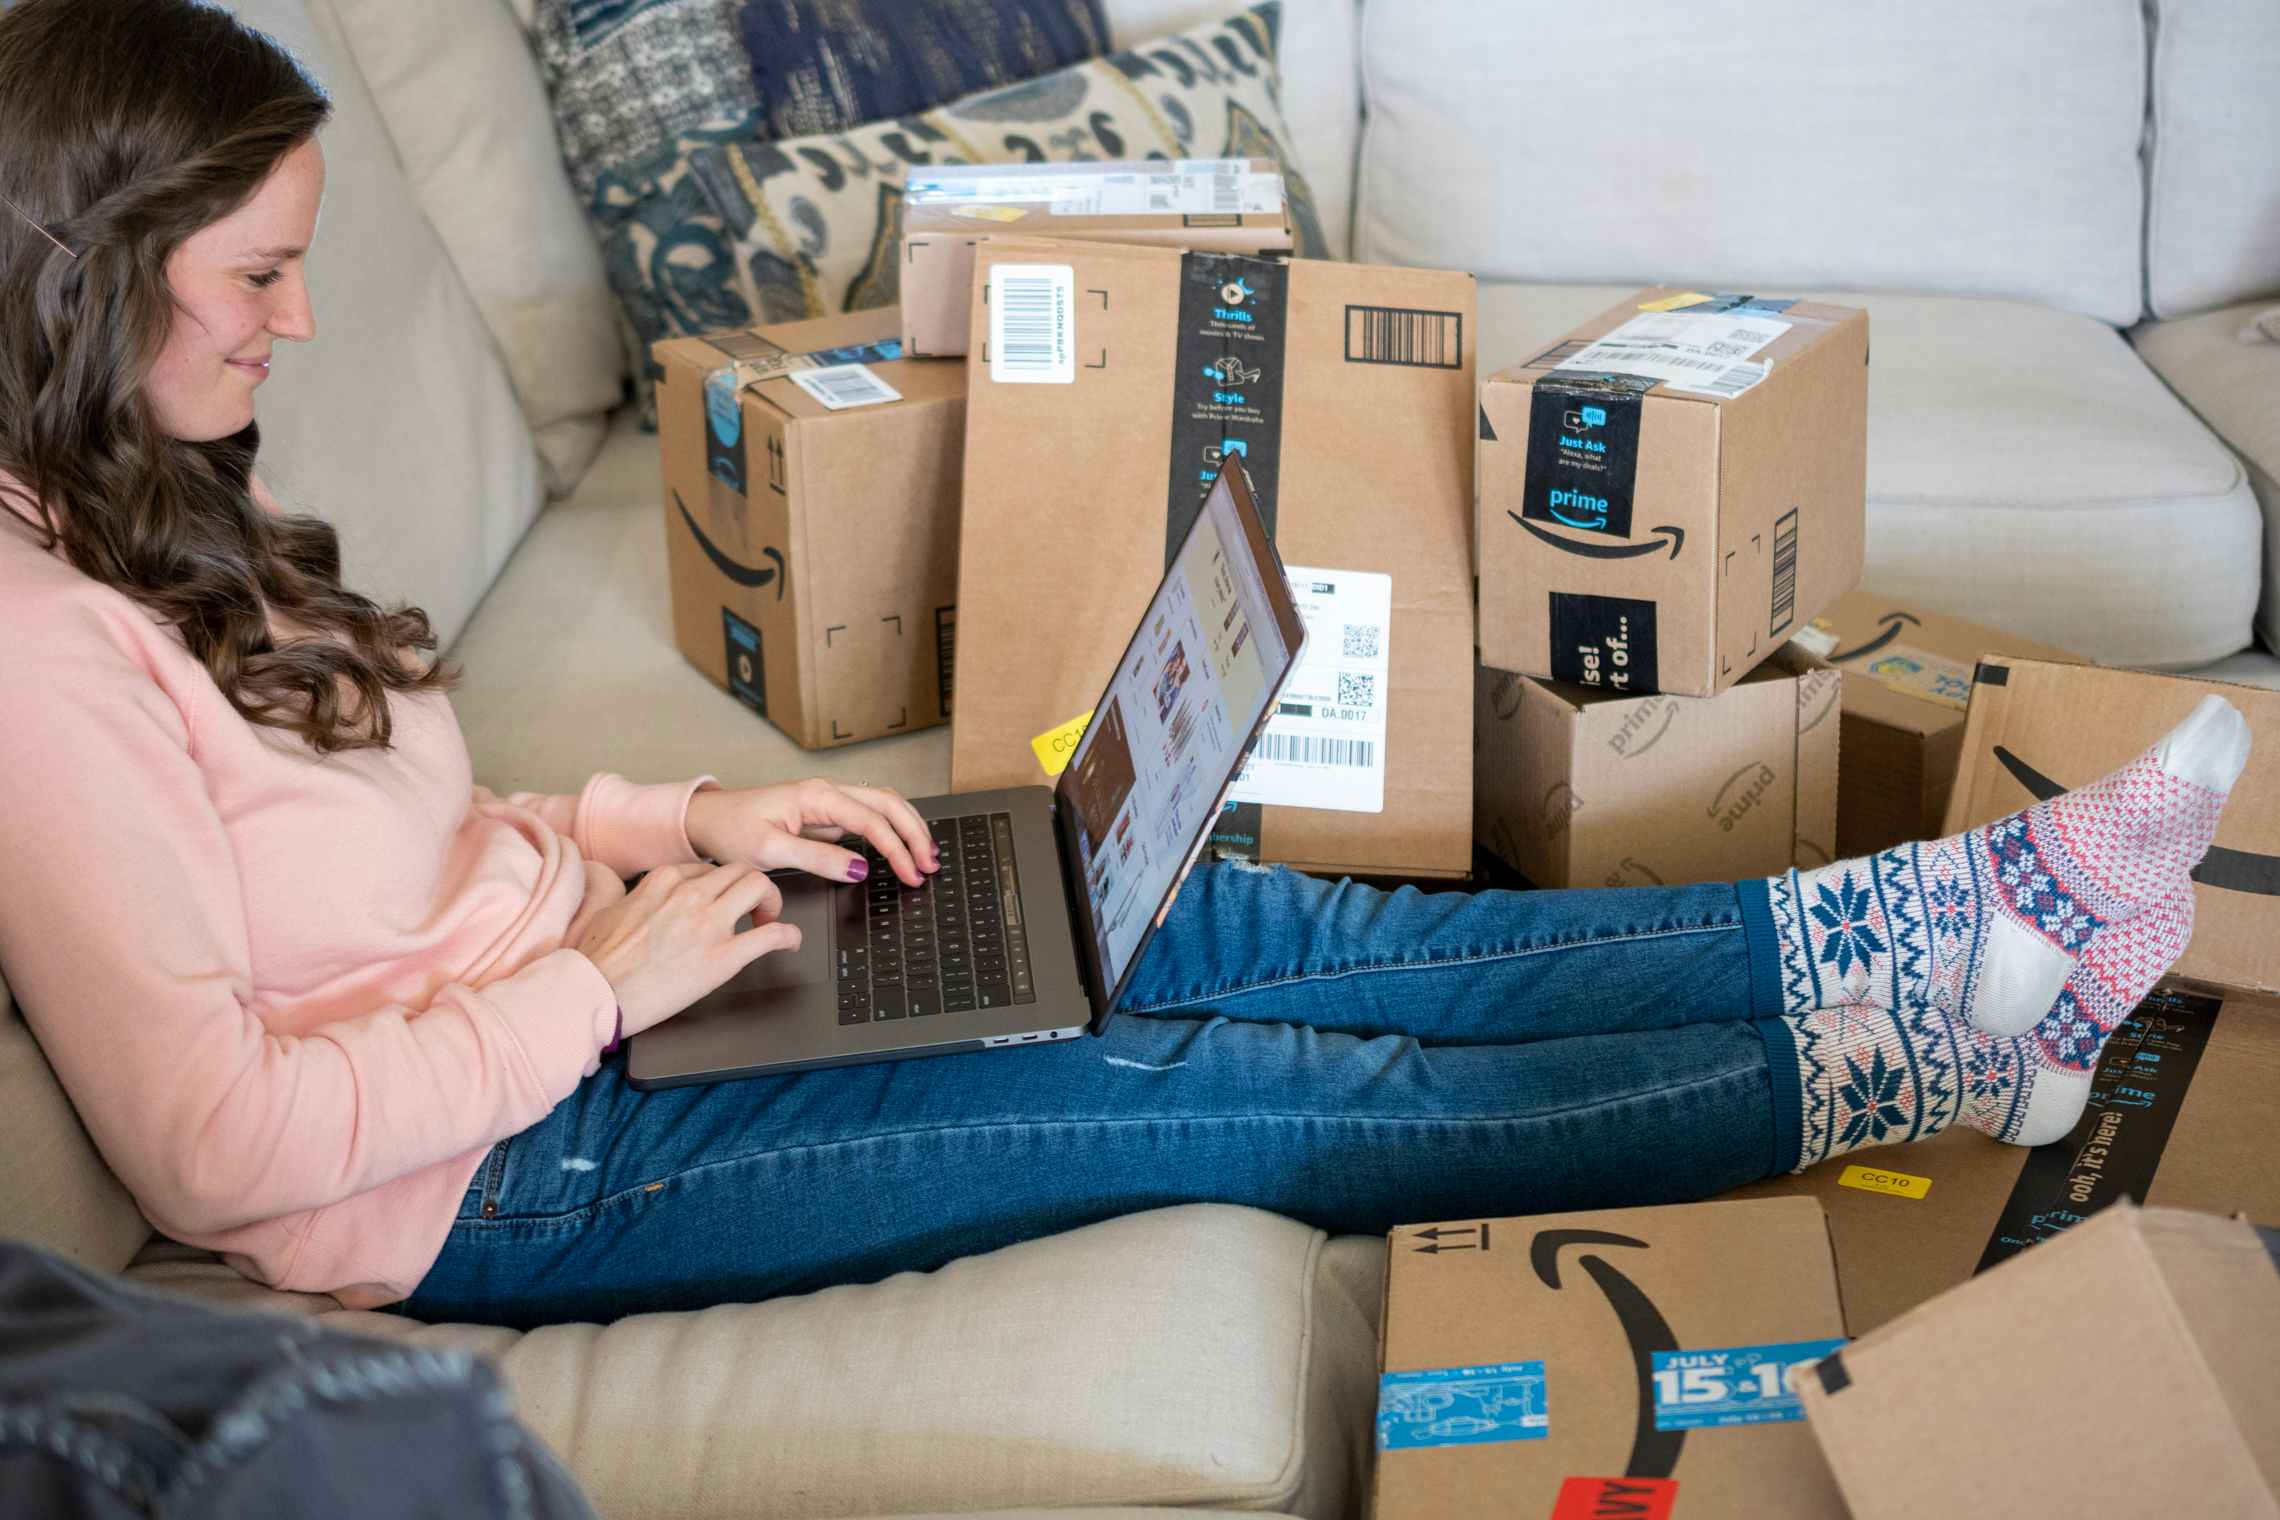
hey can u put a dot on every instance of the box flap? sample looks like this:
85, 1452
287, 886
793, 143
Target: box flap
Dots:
1906, 666
1944, 1410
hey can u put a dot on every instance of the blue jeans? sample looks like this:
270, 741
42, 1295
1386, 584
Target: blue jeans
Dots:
1349, 1057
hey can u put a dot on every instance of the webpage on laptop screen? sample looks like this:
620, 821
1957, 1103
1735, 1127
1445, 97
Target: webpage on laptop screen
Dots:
1166, 737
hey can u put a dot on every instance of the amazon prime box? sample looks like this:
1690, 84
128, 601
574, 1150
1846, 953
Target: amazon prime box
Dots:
811, 522
1907, 673
1671, 491
1107, 384
1226, 205
1635, 1362
2124, 1369
1575, 786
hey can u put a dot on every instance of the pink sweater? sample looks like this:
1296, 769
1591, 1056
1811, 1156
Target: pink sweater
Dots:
294, 998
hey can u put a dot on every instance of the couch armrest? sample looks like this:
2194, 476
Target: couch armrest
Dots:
1202, 1355
2225, 365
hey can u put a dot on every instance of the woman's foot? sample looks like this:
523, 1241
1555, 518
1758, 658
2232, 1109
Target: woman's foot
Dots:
1986, 927
1872, 1076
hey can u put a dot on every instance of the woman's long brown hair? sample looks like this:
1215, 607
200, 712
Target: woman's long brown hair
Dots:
125, 127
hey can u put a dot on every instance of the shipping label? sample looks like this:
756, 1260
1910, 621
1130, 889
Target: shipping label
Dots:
1462, 1406
1325, 745
1732, 1385
1685, 350
1185, 187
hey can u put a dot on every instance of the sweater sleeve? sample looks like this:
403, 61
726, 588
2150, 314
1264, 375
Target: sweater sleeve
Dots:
123, 930
627, 827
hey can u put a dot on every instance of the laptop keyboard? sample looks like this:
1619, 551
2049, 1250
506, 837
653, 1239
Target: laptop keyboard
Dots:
955, 944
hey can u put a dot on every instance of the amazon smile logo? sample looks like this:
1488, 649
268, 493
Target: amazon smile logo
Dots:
2229, 870
1893, 622
1674, 536
1654, 1452
735, 570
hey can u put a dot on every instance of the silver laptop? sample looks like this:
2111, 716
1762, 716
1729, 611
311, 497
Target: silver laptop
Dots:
1047, 897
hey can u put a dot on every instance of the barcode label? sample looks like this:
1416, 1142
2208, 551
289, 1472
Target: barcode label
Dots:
1404, 335
1309, 749
840, 386
1784, 572
1033, 318
1227, 191
1731, 381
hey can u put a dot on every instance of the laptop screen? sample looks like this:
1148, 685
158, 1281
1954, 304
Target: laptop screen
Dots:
1164, 741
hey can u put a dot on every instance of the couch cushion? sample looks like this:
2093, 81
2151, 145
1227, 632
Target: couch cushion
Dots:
2025, 470
580, 626
1321, 87
2213, 154
1945, 145
398, 422
1198, 1355
2226, 369
458, 91
55, 1189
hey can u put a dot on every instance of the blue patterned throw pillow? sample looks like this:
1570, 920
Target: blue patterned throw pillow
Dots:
826, 65
720, 229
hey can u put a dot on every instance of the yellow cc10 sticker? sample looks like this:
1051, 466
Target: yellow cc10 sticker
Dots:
1673, 303
1056, 746
1875, 1179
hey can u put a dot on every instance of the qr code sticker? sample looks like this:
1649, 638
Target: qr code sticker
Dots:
1361, 641
1357, 690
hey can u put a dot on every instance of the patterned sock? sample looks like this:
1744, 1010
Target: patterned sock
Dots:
1876, 1076
1986, 927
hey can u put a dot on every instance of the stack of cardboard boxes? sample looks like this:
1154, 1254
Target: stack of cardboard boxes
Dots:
1668, 494
1595, 616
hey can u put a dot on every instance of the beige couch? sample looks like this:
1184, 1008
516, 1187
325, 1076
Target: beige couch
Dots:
2043, 250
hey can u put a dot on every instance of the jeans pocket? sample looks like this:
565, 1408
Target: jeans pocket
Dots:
482, 1200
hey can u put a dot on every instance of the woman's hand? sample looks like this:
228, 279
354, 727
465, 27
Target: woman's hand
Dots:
673, 938
793, 826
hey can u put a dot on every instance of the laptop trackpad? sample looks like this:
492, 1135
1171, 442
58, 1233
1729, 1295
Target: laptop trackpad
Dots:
807, 903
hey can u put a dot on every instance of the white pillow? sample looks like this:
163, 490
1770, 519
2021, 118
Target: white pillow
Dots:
459, 90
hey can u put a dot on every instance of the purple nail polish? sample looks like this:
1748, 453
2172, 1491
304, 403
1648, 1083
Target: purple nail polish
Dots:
857, 869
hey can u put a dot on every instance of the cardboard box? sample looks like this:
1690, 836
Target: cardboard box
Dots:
2179, 1116
1227, 205
1644, 537
1617, 1362
1090, 443
2126, 1369
1576, 787
2037, 727
1907, 682
811, 522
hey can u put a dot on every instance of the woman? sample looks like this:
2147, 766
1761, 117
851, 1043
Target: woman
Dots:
330, 1009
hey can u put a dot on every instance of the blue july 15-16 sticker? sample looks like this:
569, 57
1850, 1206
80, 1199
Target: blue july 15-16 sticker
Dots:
1459, 1406
1731, 1385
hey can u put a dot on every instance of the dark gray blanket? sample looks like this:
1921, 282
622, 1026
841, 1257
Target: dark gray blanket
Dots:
116, 1401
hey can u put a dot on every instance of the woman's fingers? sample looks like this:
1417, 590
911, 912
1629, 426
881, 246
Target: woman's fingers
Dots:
765, 939
814, 856
896, 809
837, 805
751, 892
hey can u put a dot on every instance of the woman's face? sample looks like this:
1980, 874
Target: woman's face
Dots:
238, 288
